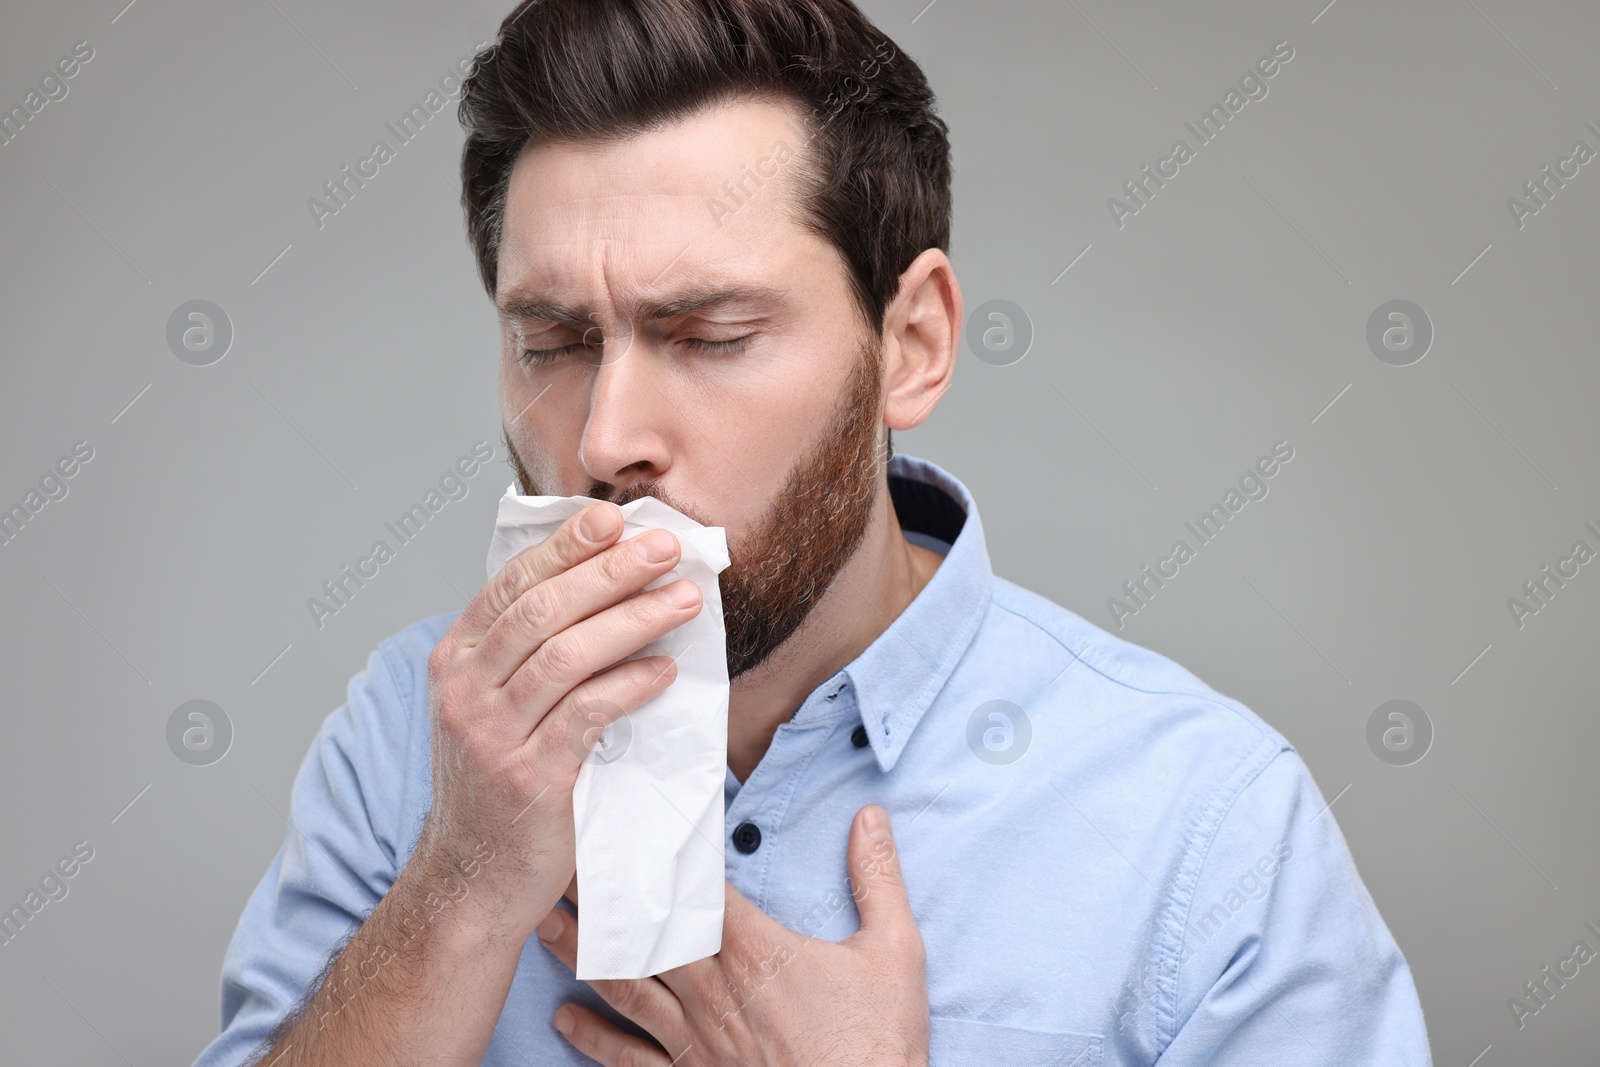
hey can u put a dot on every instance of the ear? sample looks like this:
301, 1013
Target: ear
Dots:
921, 335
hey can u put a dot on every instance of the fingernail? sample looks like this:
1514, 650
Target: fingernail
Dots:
564, 1022
552, 925
655, 546
877, 823
684, 594
598, 522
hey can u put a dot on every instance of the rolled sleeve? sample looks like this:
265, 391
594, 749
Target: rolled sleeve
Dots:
1284, 957
338, 859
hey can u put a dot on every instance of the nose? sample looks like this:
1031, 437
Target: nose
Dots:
625, 435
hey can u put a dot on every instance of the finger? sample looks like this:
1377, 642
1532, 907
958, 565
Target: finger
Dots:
644, 1000
604, 1043
562, 550
875, 878
576, 653
560, 601
559, 741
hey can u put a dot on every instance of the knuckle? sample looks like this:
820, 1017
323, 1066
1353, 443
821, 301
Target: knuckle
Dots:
524, 775
643, 610
908, 944
572, 540
450, 704
536, 609
628, 999
518, 574
558, 659
918, 948
617, 563
461, 706
567, 548
440, 657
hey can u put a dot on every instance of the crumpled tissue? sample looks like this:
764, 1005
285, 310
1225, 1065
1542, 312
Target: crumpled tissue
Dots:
648, 803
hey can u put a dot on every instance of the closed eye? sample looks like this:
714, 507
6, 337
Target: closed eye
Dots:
732, 345
545, 355
537, 356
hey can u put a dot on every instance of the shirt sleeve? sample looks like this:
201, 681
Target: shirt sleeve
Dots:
337, 861
1284, 957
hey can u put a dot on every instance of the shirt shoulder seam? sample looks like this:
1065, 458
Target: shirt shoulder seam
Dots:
1203, 692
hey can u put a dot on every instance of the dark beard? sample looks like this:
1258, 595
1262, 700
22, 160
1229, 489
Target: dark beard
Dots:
810, 529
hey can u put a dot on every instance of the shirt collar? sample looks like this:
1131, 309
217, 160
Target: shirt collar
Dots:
897, 677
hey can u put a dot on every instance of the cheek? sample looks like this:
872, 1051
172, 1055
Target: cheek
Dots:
545, 412
763, 432
526, 389
767, 434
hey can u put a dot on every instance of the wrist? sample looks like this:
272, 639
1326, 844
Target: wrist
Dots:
447, 897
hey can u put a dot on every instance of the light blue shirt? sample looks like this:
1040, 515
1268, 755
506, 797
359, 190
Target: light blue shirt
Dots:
1110, 862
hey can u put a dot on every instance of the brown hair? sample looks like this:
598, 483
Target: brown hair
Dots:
873, 179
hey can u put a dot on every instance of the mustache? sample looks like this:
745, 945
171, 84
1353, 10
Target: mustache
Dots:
600, 491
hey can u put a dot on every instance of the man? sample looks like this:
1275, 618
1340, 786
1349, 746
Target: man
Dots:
715, 233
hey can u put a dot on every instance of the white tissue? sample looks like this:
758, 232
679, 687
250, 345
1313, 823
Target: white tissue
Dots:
649, 824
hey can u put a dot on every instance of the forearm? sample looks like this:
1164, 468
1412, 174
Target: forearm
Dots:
422, 982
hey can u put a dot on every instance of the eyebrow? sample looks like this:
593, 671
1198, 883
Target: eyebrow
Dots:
531, 306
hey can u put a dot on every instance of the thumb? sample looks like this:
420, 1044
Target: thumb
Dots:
875, 877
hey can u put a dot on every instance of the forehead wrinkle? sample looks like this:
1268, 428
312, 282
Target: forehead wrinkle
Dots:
612, 230
612, 249
644, 307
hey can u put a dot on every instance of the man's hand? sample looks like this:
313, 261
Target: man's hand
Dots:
771, 996
519, 690
519, 693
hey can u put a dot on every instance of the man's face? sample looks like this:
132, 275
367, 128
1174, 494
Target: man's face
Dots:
772, 431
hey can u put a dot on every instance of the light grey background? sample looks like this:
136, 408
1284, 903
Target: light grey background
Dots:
1230, 313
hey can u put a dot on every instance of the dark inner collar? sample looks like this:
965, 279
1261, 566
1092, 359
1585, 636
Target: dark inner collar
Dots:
925, 508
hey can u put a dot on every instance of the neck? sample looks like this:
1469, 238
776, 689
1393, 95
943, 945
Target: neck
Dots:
881, 578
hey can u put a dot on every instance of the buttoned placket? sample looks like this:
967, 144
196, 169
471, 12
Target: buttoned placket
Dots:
753, 824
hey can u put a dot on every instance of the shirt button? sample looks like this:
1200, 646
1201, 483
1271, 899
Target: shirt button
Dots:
859, 737
747, 837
